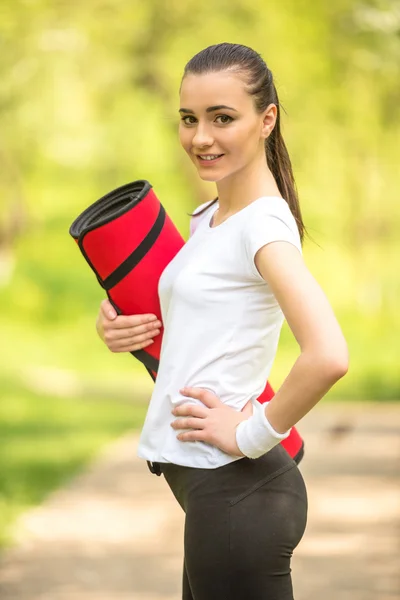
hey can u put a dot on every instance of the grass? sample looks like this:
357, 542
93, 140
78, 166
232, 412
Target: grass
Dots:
44, 441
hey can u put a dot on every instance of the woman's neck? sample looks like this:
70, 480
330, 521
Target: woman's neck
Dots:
243, 187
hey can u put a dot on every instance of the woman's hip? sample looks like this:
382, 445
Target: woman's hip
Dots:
232, 483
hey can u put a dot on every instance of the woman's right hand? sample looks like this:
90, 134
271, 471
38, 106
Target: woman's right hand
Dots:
125, 333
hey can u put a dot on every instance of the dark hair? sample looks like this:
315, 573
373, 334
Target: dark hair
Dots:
248, 64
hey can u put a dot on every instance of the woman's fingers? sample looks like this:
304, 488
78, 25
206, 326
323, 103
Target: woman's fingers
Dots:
205, 395
196, 435
190, 416
193, 410
188, 423
123, 340
107, 309
129, 321
133, 347
126, 333
129, 345
141, 332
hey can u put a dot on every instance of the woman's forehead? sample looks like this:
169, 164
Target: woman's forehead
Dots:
212, 89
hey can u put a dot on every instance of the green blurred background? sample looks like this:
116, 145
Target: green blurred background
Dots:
89, 101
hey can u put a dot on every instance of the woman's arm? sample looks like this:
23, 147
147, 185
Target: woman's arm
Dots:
322, 361
324, 355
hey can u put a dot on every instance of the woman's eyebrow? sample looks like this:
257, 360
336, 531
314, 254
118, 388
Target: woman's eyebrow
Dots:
209, 109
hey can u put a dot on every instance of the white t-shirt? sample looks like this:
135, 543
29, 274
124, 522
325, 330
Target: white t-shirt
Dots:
221, 325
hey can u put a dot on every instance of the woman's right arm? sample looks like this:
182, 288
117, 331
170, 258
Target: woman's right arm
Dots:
122, 333
125, 333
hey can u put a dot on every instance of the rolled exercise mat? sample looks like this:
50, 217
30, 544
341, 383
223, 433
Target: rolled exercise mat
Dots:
128, 239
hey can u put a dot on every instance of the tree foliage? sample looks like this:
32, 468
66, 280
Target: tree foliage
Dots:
89, 100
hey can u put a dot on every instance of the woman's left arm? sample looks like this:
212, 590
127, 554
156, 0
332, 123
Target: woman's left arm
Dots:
323, 358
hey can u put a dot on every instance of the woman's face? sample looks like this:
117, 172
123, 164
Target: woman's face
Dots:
218, 118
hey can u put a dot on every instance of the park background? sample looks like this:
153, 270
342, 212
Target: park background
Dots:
89, 101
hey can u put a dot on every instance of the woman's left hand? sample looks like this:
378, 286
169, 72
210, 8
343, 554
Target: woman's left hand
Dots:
214, 423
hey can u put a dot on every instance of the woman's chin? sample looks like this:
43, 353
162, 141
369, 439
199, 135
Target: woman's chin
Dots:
208, 177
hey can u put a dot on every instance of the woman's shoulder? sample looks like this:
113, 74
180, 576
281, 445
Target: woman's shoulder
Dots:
270, 219
273, 206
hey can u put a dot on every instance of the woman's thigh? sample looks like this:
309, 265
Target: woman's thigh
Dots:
265, 528
243, 521
186, 589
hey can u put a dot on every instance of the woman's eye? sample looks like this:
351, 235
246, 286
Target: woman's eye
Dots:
187, 117
225, 117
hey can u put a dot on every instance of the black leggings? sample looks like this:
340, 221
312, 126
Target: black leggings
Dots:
243, 521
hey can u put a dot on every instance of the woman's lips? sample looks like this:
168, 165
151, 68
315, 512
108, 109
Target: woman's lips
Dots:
205, 162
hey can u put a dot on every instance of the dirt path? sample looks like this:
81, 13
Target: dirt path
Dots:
115, 533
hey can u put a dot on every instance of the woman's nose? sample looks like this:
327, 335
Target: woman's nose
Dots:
202, 136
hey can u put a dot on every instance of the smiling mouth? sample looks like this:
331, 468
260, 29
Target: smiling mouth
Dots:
211, 158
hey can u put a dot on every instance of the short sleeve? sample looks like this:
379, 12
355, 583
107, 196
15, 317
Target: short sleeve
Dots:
271, 221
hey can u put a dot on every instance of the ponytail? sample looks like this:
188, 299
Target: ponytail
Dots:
279, 163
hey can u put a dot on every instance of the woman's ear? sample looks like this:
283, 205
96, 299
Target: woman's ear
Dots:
269, 119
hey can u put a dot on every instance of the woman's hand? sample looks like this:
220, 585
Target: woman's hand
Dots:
214, 423
125, 333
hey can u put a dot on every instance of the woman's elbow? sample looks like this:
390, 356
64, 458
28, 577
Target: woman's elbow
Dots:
339, 368
336, 365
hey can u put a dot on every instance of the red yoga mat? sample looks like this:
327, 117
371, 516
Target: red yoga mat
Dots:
128, 239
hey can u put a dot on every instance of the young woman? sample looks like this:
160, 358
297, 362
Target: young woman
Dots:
223, 299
